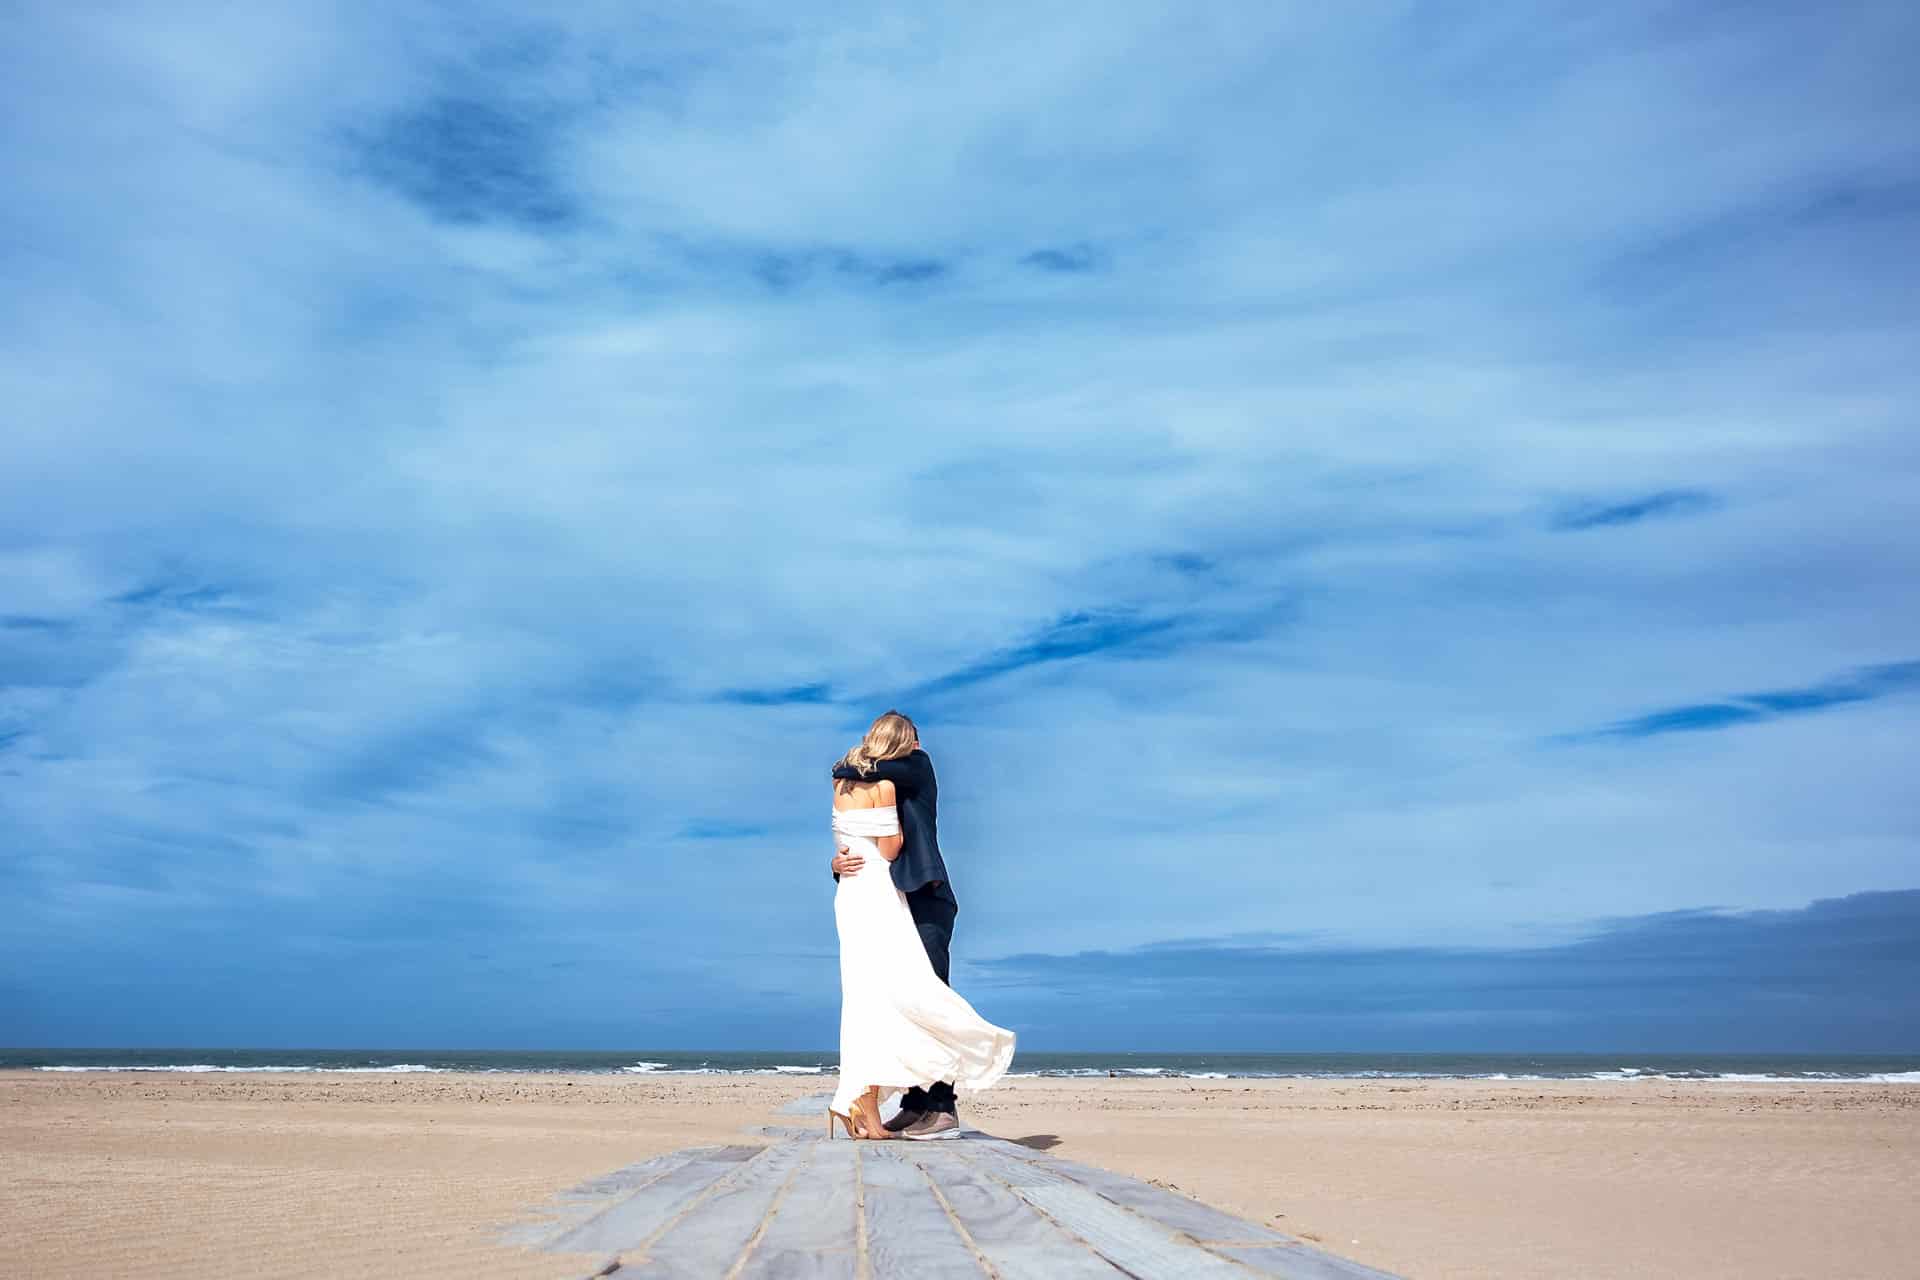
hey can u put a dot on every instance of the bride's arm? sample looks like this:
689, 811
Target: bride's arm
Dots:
889, 846
844, 862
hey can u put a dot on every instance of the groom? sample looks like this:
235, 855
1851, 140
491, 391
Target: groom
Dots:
919, 873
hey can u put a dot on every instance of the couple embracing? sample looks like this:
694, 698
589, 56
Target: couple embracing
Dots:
901, 1026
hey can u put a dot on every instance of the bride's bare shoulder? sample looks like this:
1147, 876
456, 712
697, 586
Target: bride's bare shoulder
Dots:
848, 794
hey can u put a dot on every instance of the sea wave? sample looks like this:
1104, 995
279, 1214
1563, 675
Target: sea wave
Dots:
1628, 1075
194, 1068
1196, 1072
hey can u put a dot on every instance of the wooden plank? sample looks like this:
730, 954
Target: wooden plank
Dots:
578, 1203
813, 1233
629, 1221
714, 1232
1008, 1232
1012, 1171
908, 1230
1299, 1262
634, 1175
1124, 1238
1248, 1242
1168, 1208
1130, 1242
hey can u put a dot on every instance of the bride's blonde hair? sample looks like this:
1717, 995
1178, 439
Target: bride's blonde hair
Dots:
888, 738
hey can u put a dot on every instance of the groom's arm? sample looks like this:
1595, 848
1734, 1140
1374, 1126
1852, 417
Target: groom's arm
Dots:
910, 774
845, 863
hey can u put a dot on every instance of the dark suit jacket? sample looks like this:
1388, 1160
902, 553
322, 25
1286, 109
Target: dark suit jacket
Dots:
918, 796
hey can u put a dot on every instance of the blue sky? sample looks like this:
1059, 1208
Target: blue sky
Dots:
1389, 490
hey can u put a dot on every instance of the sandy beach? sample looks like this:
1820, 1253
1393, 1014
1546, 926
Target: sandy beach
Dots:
108, 1174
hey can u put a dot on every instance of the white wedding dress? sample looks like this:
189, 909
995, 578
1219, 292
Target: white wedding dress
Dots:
900, 1025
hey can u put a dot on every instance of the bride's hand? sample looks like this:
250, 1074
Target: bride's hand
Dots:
846, 864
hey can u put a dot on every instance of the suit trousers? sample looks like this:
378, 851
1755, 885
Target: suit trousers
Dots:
933, 910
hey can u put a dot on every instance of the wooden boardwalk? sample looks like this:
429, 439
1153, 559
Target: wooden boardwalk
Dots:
974, 1206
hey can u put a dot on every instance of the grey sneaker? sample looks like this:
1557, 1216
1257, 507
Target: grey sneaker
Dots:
906, 1119
932, 1126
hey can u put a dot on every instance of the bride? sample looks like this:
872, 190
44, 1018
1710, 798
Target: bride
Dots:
900, 1025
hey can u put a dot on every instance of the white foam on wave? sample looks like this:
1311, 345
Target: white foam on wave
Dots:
665, 1069
1764, 1077
198, 1067
1749, 1077
1622, 1074
189, 1067
1826, 1077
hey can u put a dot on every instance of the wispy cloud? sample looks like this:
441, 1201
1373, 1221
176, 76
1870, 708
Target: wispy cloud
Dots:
1670, 502
785, 271
1864, 685
1122, 634
714, 830
409, 759
1188, 563
1769, 223
1073, 635
1112, 634
800, 693
470, 160
1070, 259
176, 595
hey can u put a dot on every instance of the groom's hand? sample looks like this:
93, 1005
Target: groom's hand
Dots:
846, 864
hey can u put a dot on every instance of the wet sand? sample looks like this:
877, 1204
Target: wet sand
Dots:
383, 1175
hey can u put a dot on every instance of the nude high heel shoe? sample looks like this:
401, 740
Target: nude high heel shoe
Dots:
867, 1105
847, 1121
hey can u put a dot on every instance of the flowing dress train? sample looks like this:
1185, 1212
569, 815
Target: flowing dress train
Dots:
900, 1025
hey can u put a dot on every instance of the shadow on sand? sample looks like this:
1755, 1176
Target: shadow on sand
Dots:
1038, 1141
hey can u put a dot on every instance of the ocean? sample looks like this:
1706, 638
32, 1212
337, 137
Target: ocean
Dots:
1893, 1069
